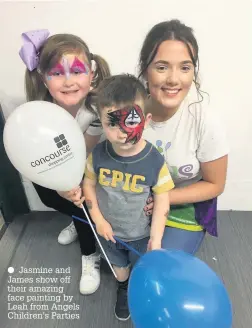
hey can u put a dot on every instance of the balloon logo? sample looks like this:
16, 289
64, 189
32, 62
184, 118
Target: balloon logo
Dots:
173, 289
45, 144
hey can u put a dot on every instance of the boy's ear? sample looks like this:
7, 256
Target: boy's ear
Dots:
148, 117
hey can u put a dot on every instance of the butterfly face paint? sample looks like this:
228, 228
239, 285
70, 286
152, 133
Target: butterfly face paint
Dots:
64, 69
130, 121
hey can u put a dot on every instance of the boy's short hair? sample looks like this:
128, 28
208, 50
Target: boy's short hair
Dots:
120, 90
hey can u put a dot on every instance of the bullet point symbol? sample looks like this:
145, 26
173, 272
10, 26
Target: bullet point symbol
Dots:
10, 269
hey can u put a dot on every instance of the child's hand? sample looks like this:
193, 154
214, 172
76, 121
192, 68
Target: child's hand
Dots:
104, 229
74, 196
154, 244
148, 209
79, 202
71, 195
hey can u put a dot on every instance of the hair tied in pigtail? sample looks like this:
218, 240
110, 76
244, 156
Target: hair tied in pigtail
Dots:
32, 42
91, 56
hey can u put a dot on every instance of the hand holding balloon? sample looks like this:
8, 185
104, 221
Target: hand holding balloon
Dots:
154, 243
73, 195
105, 230
78, 198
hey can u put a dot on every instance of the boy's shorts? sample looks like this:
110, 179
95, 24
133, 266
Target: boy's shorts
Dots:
119, 255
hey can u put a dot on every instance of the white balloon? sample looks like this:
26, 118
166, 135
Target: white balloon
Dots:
45, 144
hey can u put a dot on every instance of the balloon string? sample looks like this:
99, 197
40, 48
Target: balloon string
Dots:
98, 241
130, 248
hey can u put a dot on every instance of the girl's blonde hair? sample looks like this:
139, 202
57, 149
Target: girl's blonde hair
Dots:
51, 52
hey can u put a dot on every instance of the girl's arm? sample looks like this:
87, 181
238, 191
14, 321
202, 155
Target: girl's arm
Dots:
214, 178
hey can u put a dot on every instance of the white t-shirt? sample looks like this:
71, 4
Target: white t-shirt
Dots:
88, 122
192, 135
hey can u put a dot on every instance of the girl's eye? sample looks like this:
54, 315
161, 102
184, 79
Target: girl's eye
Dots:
161, 68
186, 68
54, 73
112, 125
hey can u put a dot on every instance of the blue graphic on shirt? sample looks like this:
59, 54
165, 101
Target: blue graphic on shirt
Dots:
177, 173
159, 145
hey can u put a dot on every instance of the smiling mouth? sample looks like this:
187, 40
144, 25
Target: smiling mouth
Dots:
69, 92
171, 92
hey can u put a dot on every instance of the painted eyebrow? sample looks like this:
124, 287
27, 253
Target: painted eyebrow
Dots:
57, 67
166, 62
78, 64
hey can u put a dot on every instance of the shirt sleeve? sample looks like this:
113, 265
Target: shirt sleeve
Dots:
164, 181
212, 139
89, 170
95, 128
89, 121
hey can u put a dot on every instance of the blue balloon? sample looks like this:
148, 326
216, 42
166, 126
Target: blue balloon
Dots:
173, 289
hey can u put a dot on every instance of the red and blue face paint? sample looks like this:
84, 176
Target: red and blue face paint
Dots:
130, 121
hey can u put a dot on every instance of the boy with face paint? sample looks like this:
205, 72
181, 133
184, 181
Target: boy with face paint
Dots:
121, 173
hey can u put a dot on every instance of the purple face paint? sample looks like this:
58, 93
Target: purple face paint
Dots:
56, 70
78, 67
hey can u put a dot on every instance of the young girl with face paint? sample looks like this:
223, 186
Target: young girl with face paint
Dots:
186, 133
59, 70
121, 172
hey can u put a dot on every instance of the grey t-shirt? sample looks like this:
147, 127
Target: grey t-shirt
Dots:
124, 184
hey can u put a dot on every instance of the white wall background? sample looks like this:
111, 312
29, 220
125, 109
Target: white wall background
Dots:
116, 29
